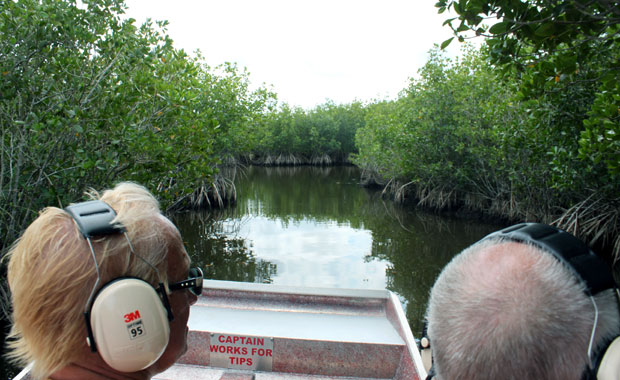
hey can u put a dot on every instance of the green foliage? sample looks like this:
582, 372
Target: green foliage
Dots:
444, 132
88, 99
376, 151
234, 108
553, 46
531, 121
599, 141
328, 130
563, 57
465, 135
454, 112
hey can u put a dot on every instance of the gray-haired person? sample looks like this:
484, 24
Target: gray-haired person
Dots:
527, 302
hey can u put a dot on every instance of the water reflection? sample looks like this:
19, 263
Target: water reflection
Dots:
213, 245
308, 252
308, 226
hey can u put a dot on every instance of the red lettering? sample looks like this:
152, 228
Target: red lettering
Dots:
240, 361
241, 351
215, 348
132, 316
261, 352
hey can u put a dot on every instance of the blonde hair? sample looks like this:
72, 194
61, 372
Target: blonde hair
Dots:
51, 274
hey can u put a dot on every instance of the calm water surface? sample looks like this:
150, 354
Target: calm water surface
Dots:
308, 226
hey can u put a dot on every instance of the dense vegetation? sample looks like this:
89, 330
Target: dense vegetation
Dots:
88, 99
321, 136
564, 59
526, 127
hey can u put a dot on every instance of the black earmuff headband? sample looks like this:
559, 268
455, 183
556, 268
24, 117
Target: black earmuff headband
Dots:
94, 218
586, 265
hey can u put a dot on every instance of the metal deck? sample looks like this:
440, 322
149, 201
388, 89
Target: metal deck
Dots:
313, 333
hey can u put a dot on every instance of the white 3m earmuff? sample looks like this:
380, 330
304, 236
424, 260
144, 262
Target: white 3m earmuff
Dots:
609, 369
128, 322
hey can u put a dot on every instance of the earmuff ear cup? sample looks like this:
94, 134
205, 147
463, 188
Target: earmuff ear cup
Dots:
129, 324
609, 369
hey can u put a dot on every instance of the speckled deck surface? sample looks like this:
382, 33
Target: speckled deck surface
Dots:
313, 334
186, 371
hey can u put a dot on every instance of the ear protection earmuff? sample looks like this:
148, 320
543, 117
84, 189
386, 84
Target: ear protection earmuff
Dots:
590, 269
127, 320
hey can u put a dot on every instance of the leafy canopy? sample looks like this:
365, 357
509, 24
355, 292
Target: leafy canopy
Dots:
546, 42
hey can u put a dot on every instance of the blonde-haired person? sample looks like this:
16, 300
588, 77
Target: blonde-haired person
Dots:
52, 273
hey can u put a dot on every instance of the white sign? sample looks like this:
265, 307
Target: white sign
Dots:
241, 352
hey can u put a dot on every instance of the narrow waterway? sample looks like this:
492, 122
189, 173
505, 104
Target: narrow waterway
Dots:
317, 227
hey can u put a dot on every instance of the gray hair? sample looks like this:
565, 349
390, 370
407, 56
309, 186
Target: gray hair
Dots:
508, 310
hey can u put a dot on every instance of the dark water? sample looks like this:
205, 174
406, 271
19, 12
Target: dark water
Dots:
308, 226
